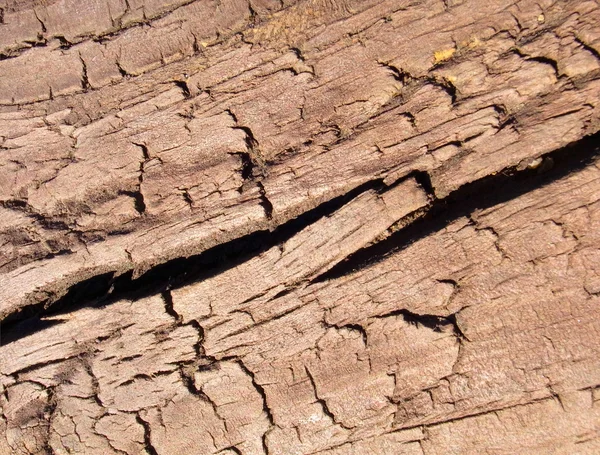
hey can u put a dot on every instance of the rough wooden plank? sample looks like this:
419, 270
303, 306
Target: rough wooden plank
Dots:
298, 125
299, 227
488, 319
326, 242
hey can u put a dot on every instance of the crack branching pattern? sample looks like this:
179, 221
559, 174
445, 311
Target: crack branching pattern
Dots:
195, 364
487, 193
484, 193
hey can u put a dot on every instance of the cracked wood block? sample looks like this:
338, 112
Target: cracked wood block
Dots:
299, 227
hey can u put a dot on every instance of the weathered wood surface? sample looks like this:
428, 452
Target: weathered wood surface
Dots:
412, 252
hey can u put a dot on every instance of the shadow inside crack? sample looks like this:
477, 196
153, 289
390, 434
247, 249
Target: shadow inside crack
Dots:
480, 194
105, 289
108, 288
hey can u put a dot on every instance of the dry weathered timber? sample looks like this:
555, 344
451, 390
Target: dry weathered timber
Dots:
299, 227
481, 333
276, 115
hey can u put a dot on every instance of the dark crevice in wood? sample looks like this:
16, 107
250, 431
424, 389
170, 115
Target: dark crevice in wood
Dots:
122, 70
424, 181
64, 42
109, 288
169, 308
247, 166
587, 47
138, 200
182, 85
147, 436
30, 319
138, 196
264, 201
480, 194
483, 193
85, 83
457, 330
430, 321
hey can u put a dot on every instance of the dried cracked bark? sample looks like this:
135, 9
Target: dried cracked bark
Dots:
304, 227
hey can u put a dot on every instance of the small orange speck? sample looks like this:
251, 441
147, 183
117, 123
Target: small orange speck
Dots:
443, 55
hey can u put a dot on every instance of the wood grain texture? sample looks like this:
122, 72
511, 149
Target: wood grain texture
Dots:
299, 227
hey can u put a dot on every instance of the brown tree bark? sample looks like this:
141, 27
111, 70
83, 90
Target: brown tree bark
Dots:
299, 227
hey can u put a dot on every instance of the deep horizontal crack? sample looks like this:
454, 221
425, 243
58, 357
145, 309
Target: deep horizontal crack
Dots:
430, 321
108, 288
480, 194
483, 193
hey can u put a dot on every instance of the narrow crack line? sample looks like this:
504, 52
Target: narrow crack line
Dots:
42, 25
100, 38
198, 346
260, 389
354, 327
47, 222
254, 166
122, 71
323, 402
140, 203
477, 412
87, 365
262, 392
473, 222
264, 201
50, 412
147, 435
587, 47
169, 308
43, 364
405, 78
458, 333
266, 321
353, 441
108, 288
85, 83
108, 440
188, 382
